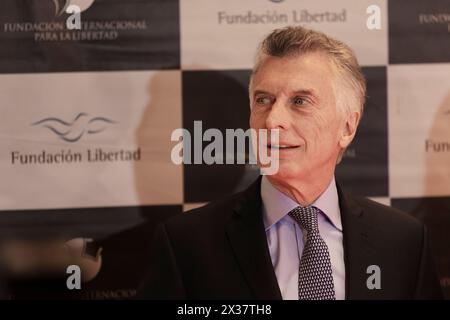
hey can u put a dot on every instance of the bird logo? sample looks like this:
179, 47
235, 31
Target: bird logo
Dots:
61, 5
73, 131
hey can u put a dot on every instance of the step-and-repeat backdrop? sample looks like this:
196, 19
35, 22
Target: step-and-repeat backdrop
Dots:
87, 116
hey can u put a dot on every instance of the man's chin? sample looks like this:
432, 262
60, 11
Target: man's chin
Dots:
284, 173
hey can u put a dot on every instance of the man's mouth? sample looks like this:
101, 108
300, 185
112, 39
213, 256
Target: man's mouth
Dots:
281, 146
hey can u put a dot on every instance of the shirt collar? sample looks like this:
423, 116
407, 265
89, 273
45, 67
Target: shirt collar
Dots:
276, 205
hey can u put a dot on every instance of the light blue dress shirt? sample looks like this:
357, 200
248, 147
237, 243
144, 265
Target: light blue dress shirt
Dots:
286, 239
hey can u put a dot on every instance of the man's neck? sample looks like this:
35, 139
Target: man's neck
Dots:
303, 191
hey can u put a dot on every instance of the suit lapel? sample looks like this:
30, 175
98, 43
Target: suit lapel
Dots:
359, 248
248, 240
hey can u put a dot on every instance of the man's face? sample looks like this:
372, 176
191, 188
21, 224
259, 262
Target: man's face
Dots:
295, 95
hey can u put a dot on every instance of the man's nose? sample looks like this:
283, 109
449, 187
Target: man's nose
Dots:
278, 117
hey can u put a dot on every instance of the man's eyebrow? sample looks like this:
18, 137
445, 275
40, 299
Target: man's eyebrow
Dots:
300, 91
307, 92
261, 92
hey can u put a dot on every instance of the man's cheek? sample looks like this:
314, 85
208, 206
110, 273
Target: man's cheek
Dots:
257, 121
252, 118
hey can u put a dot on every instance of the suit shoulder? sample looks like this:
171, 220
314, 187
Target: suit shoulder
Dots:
389, 216
213, 214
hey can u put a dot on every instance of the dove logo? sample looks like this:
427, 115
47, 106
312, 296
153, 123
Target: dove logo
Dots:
62, 5
73, 131
74, 8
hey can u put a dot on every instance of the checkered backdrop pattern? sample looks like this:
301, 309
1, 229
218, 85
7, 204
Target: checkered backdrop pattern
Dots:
87, 115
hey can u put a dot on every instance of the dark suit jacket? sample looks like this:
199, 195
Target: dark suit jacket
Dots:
220, 251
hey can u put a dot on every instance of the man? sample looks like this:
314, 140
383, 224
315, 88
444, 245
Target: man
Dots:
295, 234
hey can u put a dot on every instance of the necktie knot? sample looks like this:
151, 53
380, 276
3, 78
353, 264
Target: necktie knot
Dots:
306, 217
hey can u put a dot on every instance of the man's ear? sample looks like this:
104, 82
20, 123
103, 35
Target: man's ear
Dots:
349, 129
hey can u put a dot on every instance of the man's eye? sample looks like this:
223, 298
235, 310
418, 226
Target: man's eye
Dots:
298, 101
263, 100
